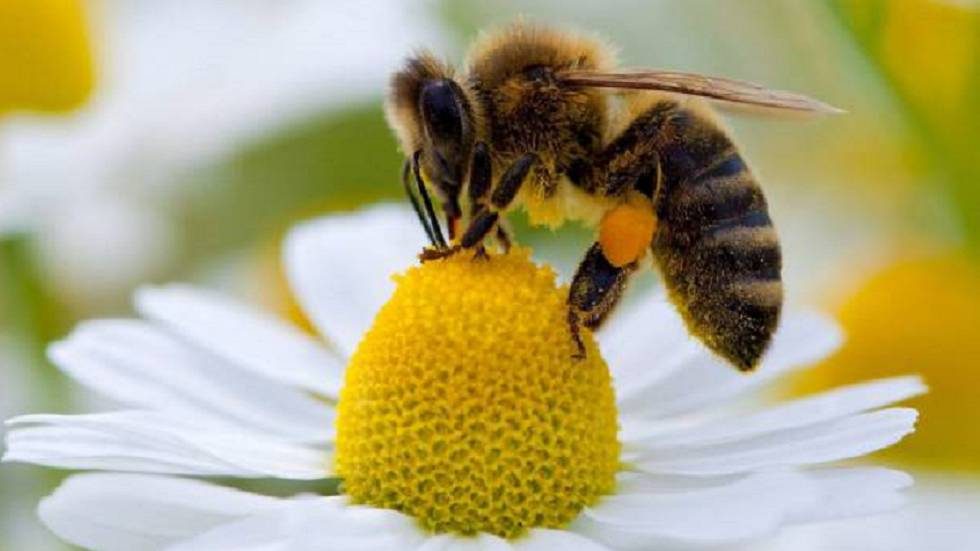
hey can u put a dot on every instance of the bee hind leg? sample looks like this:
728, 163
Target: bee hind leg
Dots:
595, 291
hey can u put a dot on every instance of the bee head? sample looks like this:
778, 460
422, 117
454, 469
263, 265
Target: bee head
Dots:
431, 113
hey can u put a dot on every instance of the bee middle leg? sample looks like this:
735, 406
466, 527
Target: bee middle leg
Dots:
487, 204
486, 215
596, 289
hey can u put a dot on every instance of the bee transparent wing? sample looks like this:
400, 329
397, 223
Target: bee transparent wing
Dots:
740, 93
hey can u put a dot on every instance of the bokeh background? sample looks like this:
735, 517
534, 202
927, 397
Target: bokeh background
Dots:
149, 141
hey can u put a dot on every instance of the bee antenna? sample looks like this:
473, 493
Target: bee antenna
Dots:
433, 222
406, 166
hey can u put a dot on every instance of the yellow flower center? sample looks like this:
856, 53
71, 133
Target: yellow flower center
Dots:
464, 407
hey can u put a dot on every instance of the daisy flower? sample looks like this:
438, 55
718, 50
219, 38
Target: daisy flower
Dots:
447, 404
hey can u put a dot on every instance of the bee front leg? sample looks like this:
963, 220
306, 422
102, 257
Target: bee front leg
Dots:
453, 214
488, 205
481, 172
503, 236
450, 208
596, 289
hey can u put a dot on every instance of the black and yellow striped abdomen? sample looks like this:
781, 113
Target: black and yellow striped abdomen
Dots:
716, 246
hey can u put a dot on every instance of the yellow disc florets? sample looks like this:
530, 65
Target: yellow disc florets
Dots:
463, 405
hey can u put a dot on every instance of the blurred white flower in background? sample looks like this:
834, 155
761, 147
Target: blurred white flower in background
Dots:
12, 398
179, 84
19, 528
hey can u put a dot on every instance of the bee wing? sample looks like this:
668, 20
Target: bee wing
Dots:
738, 92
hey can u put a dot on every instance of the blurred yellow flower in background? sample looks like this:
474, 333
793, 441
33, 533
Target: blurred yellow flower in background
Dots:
927, 52
913, 62
918, 315
45, 59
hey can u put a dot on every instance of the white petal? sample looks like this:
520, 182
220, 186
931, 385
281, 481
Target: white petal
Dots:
313, 524
453, 542
704, 380
673, 511
541, 539
834, 404
746, 508
645, 343
438, 542
853, 492
125, 511
263, 532
634, 482
143, 366
819, 443
340, 267
329, 524
147, 442
941, 514
482, 542
244, 336
257, 533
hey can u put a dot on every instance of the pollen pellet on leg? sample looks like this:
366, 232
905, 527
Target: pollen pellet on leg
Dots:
626, 232
472, 397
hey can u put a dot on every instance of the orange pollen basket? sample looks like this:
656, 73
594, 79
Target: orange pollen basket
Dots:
626, 232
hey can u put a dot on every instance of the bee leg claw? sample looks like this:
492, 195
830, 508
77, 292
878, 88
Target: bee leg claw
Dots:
481, 255
430, 253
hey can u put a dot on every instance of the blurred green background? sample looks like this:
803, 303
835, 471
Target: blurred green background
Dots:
141, 142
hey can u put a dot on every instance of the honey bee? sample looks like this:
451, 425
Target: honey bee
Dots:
543, 119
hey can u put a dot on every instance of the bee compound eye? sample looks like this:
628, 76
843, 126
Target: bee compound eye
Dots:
441, 111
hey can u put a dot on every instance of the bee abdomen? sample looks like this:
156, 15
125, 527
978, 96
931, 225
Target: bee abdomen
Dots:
720, 256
